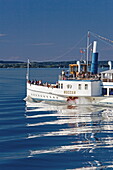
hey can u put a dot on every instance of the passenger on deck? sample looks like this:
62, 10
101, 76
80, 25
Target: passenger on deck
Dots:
46, 84
40, 82
29, 81
32, 82
56, 84
63, 73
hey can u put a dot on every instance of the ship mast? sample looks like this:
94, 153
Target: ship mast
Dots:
88, 41
27, 75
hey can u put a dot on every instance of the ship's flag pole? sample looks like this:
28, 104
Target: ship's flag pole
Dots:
88, 38
27, 75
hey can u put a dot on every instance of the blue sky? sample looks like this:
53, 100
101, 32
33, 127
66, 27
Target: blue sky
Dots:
44, 30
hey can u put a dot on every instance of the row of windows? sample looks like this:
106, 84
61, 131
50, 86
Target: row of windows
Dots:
43, 96
108, 91
80, 86
60, 86
85, 87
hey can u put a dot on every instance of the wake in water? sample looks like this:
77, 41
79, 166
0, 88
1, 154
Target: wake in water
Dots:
79, 129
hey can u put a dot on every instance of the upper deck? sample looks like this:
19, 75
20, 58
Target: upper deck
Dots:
107, 76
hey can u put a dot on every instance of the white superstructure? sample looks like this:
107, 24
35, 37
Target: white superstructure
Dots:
65, 89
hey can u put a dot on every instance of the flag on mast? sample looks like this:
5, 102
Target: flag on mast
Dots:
82, 51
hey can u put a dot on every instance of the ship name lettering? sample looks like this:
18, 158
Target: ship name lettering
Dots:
69, 92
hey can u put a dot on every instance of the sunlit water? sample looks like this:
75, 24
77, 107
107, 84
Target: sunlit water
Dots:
50, 135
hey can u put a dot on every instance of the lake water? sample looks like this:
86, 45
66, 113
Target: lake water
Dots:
50, 136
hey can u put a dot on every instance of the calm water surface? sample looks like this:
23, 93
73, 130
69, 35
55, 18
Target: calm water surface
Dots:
49, 135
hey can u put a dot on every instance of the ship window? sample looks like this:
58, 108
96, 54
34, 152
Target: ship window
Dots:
79, 86
104, 75
86, 86
61, 86
110, 91
104, 91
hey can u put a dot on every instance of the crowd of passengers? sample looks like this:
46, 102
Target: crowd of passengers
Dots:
39, 82
79, 75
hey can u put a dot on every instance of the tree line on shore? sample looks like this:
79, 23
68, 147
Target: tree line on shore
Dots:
60, 64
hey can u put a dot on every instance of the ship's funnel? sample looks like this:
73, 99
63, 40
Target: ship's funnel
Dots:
94, 46
110, 64
94, 64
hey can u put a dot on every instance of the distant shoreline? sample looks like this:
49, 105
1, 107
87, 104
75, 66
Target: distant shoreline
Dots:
60, 64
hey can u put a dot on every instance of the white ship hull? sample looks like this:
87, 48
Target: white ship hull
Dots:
38, 93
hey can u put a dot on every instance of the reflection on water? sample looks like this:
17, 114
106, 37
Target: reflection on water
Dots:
86, 129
